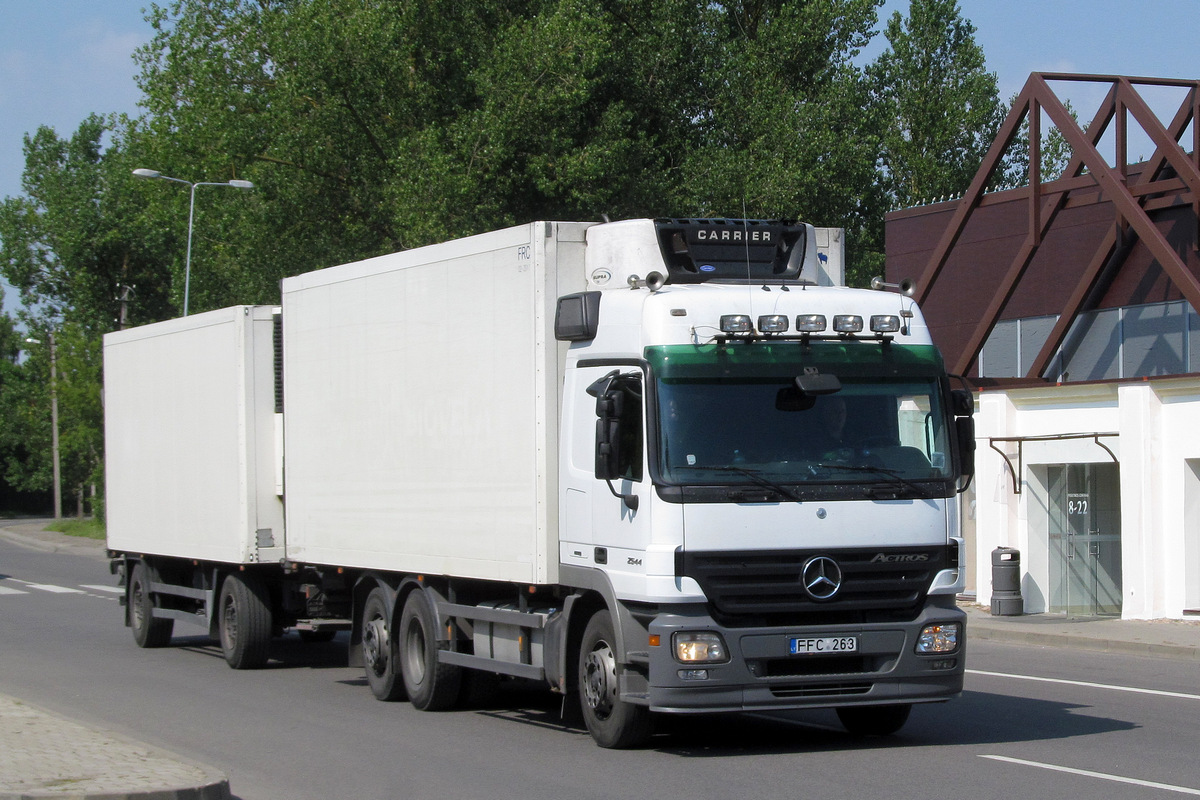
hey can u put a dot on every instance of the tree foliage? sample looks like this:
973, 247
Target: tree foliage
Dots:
942, 104
373, 126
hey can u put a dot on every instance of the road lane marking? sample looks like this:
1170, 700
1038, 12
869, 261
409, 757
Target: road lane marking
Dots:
99, 588
10, 590
49, 587
1087, 684
1102, 775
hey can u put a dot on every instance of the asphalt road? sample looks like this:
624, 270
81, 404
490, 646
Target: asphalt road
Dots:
307, 727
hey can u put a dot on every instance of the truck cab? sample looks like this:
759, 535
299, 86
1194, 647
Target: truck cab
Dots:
760, 474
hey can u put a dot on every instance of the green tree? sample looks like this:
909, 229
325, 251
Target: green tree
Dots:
372, 126
70, 245
80, 231
1054, 149
941, 104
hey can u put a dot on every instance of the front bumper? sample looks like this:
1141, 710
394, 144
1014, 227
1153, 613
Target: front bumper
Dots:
762, 674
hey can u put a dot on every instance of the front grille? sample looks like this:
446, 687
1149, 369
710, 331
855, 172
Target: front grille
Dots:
765, 587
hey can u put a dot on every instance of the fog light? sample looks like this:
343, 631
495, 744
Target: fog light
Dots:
693, 674
736, 323
847, 323
773, 323
941, 638
700, 647
811, 323
885, 323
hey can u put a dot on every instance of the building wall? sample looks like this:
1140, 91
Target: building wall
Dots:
976, 265
1157, 445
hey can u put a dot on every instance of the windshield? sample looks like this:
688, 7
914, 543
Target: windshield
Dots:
729, 428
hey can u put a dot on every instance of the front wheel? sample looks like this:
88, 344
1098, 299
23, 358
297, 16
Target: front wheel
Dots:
612, 722
147, 631
874, 720
245, 621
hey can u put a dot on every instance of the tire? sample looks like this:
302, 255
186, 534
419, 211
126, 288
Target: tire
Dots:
874, 720
147, 631
244, 621
431, 686
612, 722
379, 653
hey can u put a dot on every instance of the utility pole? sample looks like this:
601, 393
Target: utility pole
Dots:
54, 423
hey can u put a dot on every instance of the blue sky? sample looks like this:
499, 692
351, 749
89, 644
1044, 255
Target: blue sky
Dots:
63, 59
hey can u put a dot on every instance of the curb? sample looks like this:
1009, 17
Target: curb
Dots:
1124, 647
51, 542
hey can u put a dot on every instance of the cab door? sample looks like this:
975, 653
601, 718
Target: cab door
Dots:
604, 523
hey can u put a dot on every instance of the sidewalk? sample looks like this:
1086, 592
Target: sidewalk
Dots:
43, 755
1159, 638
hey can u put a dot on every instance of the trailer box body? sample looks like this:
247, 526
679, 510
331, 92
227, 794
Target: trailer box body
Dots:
421, 394
191, 446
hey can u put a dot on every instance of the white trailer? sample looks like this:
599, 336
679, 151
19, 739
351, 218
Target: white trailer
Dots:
592, 455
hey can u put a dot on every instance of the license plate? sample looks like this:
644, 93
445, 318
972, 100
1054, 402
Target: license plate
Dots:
824, 645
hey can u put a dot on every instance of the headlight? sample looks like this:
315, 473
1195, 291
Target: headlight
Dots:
701, 647
938, 638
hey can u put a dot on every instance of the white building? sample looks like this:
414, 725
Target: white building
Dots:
1070, 306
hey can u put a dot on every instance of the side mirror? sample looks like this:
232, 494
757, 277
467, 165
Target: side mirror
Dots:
608, 447
610, 402
964, 429
610, 405
963, 402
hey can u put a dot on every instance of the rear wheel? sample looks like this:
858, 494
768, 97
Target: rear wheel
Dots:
379, 652
874, 720
611, 721
431, 686
147, 631
245, 621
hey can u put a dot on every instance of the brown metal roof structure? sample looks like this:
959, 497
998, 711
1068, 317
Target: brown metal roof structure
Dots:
1063, 246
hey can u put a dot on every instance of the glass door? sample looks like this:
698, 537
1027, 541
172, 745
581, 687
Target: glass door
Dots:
1085, 539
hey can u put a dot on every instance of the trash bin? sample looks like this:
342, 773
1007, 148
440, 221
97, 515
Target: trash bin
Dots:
1006, 582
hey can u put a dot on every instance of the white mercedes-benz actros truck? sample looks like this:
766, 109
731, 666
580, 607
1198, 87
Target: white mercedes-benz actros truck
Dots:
649, 463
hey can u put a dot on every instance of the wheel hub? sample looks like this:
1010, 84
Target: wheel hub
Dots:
229, 627
600, 680
375, 644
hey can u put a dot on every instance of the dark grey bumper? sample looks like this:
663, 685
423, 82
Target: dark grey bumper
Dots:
762, 674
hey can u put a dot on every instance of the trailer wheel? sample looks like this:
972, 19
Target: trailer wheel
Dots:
147, 631
874, 720
612, 722
244, 621
379, 648
431, 686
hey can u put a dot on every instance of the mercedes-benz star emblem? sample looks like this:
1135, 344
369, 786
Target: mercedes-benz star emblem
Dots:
821, 577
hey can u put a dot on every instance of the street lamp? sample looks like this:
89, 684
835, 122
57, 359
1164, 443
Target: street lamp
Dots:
54, 424
153, 173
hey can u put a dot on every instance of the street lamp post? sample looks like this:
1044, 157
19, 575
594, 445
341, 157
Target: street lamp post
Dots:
187, 272
54, 424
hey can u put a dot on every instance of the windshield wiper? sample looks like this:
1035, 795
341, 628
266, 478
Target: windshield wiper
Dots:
920, 490
756, 477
